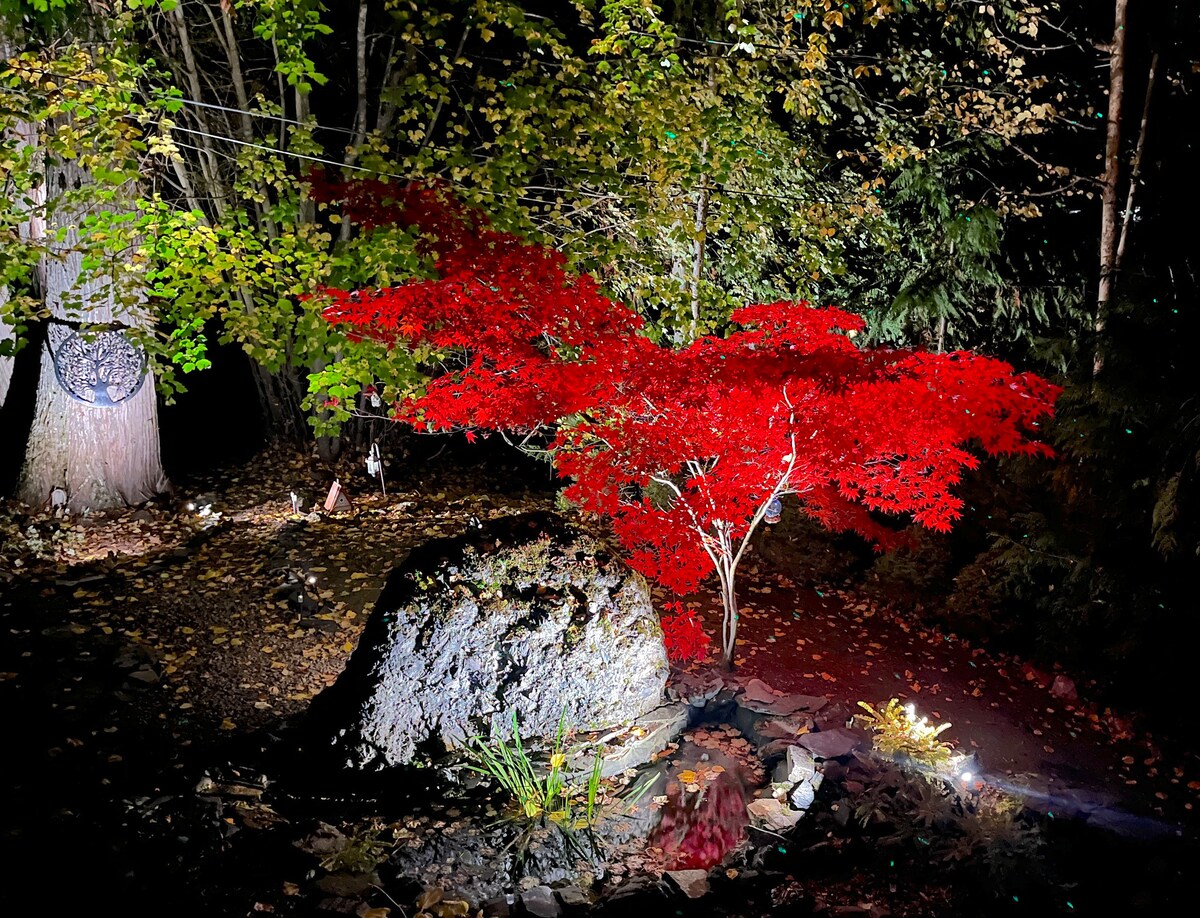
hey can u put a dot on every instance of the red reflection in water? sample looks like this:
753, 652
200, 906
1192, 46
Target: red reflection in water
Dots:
698, 830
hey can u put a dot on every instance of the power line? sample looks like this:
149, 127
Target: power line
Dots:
718, 189
647, 181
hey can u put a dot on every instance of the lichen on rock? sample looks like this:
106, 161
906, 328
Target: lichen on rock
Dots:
527, 615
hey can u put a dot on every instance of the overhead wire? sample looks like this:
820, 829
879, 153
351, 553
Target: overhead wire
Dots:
647, 181
316, 126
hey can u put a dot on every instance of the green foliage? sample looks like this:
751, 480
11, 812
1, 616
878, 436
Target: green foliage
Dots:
693, 157
898, 733
234, 251
360, 852
987, 832
537, 794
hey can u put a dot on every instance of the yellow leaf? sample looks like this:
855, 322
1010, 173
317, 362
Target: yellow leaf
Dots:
429, 898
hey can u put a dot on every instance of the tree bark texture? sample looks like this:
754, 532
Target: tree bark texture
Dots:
25, 134
1135, 169
6, 334
102, 456
1112, 168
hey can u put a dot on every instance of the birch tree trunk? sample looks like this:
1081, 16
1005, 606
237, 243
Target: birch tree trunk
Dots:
1112, 168
1135, 169
6, 334
102, 456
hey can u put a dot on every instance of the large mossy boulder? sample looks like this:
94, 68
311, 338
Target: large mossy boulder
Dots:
524, 615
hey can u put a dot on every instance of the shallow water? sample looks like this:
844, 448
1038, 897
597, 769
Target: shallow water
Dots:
704, 819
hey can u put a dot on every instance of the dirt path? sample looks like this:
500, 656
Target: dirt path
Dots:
121, 674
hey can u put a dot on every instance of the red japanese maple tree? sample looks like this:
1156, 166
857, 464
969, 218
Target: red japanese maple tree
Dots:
685, 449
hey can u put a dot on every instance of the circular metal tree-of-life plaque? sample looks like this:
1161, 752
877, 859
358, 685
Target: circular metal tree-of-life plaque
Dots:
103, 370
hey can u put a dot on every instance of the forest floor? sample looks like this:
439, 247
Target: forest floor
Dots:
140, 648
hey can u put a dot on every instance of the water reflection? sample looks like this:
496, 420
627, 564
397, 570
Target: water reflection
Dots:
704, 817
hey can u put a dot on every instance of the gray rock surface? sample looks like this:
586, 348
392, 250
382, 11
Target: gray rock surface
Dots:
797, 766
481, 860
526, 615
802, 795
658, 728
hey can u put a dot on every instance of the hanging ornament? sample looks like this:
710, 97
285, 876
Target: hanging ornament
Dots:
774, 511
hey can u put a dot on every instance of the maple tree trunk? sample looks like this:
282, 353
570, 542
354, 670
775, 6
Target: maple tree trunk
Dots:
102, 456
1112, 167
729, 621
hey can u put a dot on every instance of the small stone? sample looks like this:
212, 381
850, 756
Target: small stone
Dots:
799, 764
145, 674
1064, 688
692, 883
833, 771
758, 691
833, 744
572, 897
323, 841
802, 796
772, 814
789, 704
497, 908
633, 887
540, 901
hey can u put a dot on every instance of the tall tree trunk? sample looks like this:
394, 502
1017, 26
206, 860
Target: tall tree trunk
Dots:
1135, 170
1112, 168
7, 333
102, 456
25, 134
700, 229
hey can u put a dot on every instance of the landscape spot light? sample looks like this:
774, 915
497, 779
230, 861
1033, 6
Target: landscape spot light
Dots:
191, 506
966, 777
311, 579
912, 710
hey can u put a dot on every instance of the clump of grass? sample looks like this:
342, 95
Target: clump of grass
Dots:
535, 791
